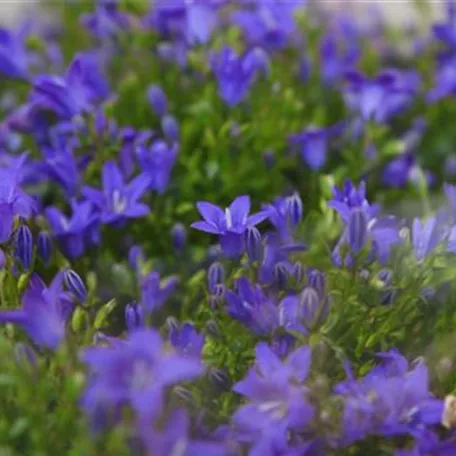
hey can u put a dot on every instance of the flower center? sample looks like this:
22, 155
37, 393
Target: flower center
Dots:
119, 202
142, 375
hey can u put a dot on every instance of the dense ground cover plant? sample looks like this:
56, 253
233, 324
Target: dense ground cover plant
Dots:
226, 228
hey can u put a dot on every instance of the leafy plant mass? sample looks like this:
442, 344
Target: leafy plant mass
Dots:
227, 228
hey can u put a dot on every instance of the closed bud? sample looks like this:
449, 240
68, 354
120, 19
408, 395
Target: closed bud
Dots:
269, 159
215, 276
24, 246
172, 324
386, 276
280, 274
298, 273
219, 378
136, 258
388, 296
44, 246
179, 237
157, 100
357, 229
309, 303
317, 281
253, 244
75, 285
184, 395
134, 316
170, 128
294, 209
213, 329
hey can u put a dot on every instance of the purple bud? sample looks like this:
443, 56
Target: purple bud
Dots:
24, 246
298, 273
134, 317
269, 159
253, 244
44, 246
357, 229
75, 285
450, 166
136, 257
388, 297
172, 324
157, 100
280, 274
386, 276
309, 302
219, 378
215, 276
170, 128
2, 259
294, 209
317, 281
304, 69
179, 236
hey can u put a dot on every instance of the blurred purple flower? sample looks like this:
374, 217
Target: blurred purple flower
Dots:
186, 340
155, 292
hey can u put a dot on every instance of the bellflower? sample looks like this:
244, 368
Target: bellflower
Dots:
74, 234
194, 20
118, 201
134, 373
175, 438
397, 172
250, 306
106, 21
236, 74
426, 236
155, 292
277, 403
380, 99
156, 162
445, 80
14, 57
43, 314
314, 143
392, 399
269, 24
186, 340
76, 92
230, 224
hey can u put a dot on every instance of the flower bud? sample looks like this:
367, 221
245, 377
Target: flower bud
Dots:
253, 244
386, 276
317, 281
269, 159
298, 273
219, 378
280, 274
170, 128
75, 285
134, 317
294, 209
136, 257
309, 303
179, 237
44, 246
215, 276
357, 229
157, 100
24, 246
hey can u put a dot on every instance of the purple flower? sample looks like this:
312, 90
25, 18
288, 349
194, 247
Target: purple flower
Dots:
230, 224
157, 100
314, 144
236, 74
269, 24
155, 292
14, 57
106, 21
175, 438
445, 80
397, 172
382, 98
393, 398
277, 403
43, 314
191, 21
186, 340
134, 373
156, 162
76, 233
118, 201
250, 306
77, 91
426, 236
